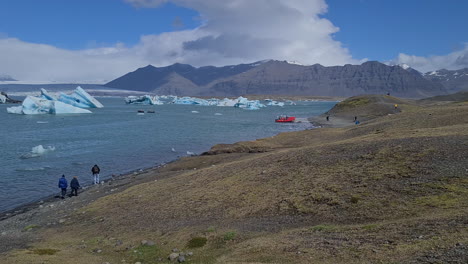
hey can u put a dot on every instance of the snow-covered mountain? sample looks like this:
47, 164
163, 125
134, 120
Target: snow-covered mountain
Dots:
452, 80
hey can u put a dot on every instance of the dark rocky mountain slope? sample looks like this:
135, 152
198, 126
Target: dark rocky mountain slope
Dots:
280, 78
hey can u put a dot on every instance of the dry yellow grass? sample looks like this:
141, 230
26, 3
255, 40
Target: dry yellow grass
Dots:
392, 189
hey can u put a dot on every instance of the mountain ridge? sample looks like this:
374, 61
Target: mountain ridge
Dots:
273, 77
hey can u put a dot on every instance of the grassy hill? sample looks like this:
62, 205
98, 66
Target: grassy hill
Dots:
393, 189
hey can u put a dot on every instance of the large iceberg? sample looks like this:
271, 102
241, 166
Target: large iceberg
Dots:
37, 105
145, 100
65, 104
80, 98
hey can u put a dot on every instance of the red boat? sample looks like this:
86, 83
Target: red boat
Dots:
285, 119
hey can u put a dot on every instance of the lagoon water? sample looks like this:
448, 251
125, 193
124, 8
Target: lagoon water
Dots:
120, 141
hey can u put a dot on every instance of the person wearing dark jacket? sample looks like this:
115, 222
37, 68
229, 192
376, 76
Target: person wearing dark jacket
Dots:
74, 185
95, 170
63, 184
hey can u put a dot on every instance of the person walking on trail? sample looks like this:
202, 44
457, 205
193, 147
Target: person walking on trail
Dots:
63, 184
74, 185
95, 170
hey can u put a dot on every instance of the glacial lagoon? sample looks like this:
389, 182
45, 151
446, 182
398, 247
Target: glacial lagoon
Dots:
120, 140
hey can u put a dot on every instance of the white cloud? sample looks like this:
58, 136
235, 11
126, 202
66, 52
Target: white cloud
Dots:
235, 31
452, 61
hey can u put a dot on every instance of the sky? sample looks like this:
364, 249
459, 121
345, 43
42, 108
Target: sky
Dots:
98, 41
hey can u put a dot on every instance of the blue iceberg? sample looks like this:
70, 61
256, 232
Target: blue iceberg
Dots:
36, 106
80, 98
143, 100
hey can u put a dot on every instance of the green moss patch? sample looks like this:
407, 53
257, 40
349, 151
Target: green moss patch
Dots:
197, 242
44, 251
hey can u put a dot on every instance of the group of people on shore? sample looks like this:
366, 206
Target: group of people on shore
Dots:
75, 184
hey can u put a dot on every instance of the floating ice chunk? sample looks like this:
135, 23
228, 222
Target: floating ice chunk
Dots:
144, 100
218, 114
227, 102
275, 103
37, 151
190, 153
42, 122
80, 98
36, 106
2, 99
247, 104
195, 112
173, 150
15, 110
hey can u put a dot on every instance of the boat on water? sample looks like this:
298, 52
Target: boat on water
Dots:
285, 119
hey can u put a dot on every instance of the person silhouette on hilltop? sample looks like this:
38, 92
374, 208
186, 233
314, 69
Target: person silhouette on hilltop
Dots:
63, 184
95, 170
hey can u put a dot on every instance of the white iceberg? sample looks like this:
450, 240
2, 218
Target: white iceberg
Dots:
274, 103
36, 106
248, 104
80, 98
2, 99
37, 151
227, 102
144, 100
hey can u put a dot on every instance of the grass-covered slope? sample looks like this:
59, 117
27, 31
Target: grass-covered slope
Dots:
393, 189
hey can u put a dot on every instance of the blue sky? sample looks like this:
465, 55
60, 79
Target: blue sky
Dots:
120, 35
380, 29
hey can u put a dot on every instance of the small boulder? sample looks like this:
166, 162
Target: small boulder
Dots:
181, 259
173, 256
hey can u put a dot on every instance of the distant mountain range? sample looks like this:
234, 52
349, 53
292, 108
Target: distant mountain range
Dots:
273, 77
453, 81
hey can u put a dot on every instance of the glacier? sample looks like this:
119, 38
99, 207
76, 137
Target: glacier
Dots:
144, 100
65, 104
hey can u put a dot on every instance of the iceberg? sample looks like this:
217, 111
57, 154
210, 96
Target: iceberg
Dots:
244, 103
274, 103
2, 99
80, 98
144, 100
37, 151
227, 102
36, 106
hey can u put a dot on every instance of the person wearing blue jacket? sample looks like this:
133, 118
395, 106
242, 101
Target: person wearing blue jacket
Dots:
63, 184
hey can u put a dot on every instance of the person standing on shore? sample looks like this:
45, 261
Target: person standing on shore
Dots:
74, 185
63, 184
95, 170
